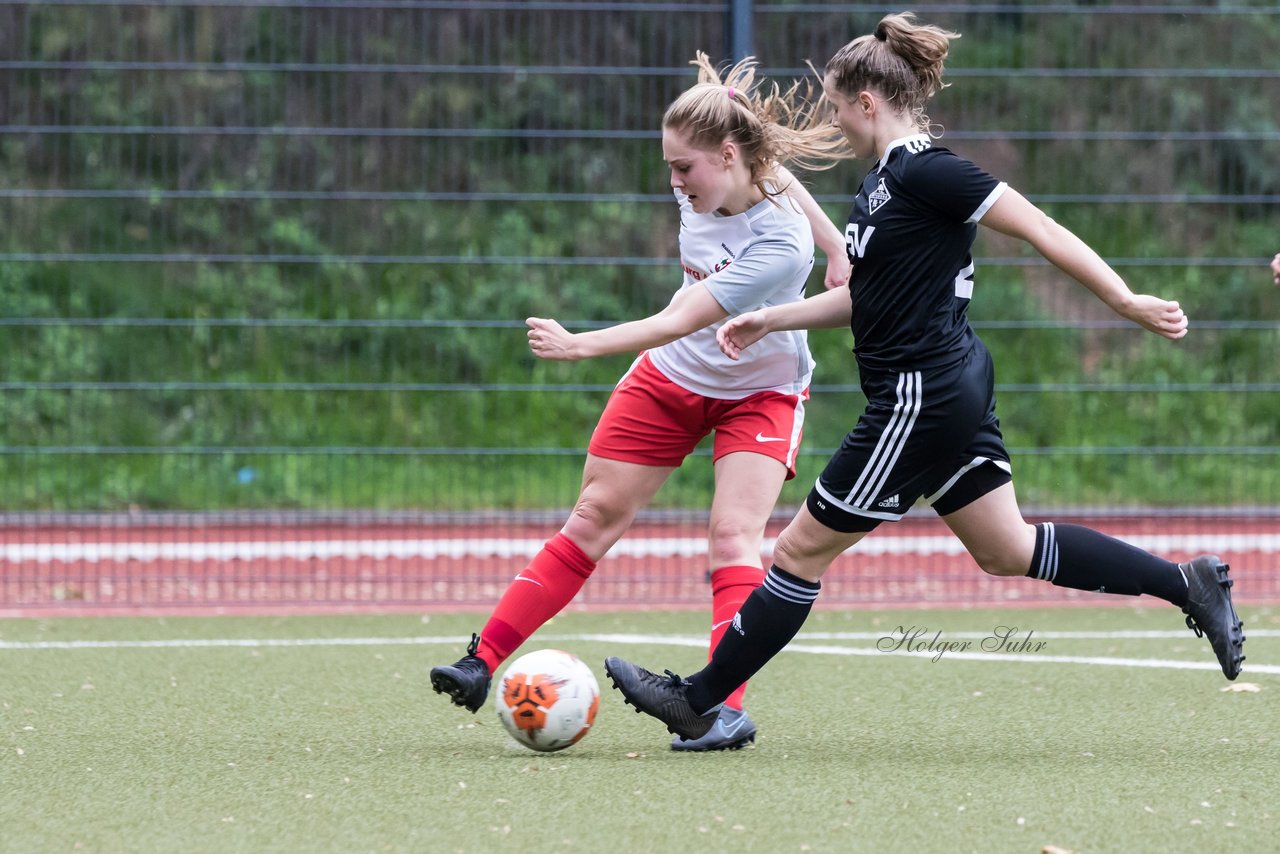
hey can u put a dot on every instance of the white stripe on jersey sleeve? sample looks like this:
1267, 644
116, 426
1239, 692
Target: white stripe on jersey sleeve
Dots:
988, 202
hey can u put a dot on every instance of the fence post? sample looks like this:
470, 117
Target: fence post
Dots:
739, 28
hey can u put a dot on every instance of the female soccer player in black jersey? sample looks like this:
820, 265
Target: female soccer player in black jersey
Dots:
930, 428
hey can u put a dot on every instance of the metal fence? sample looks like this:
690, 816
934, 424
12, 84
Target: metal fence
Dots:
265, 267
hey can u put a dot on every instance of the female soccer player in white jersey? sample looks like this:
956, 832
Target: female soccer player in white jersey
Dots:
929, 429
747, 234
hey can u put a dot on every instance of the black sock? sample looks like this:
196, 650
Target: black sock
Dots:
1083, 559
765, 623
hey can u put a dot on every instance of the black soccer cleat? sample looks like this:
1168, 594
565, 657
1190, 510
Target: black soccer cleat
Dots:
1210, 612
733, 730
663, 697
466, 681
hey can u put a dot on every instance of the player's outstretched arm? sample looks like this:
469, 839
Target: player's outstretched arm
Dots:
1013, 215
690, 310
827, 310
1275, 267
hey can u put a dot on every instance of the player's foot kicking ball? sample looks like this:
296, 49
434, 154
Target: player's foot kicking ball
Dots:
663, 697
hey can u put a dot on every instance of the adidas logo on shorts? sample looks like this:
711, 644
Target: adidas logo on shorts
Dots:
890, 503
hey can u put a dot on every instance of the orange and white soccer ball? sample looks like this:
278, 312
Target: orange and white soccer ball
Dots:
548, 699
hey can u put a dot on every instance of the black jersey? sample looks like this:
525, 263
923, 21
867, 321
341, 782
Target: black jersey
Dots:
909, 239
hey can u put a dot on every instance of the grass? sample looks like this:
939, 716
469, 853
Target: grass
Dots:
177, 480
328, 747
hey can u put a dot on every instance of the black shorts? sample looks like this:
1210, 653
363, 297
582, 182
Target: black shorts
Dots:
931, 434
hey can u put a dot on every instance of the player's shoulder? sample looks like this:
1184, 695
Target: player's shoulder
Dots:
776, 213
924, 166
921, 153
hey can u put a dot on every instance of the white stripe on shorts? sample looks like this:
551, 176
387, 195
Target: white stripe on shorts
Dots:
797, 425
891, 443
965, 469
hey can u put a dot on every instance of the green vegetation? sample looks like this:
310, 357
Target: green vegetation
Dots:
132, 381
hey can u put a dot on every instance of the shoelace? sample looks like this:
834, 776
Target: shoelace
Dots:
474, 645
671, 680
676, 681
1191, 624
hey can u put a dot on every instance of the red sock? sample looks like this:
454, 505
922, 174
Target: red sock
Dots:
538, 593
730, 587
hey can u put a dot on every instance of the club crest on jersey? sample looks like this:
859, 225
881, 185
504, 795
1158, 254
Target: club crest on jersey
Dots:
878, 197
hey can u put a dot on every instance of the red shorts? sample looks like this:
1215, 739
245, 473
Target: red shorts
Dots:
651, 421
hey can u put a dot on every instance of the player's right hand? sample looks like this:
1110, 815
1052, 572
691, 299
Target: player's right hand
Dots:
549, 340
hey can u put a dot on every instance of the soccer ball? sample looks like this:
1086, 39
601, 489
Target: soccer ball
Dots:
548, 699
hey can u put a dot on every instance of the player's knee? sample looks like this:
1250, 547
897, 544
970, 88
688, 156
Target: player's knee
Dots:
1002, 567
801, 559
1010, 554
592, 518
1005, 558
732, 542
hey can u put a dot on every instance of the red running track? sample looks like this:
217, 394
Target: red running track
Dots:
301, 567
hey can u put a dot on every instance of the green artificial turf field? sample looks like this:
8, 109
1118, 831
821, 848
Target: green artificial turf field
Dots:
322, 734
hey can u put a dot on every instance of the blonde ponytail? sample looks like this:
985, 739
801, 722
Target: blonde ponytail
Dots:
770, 127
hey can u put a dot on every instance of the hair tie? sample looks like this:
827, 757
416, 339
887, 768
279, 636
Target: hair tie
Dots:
881, 33
731, 93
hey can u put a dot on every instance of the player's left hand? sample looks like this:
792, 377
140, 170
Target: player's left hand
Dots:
1161, 316
549, 340
1275, 267
741, 332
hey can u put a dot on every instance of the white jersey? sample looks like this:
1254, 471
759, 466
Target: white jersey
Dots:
751, 260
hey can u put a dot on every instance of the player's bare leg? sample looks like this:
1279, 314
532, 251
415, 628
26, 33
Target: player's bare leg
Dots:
612, 493
747, 487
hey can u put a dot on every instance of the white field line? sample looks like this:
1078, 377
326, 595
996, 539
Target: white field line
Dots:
476, 547
1157, 634
699, 641
1105, 661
